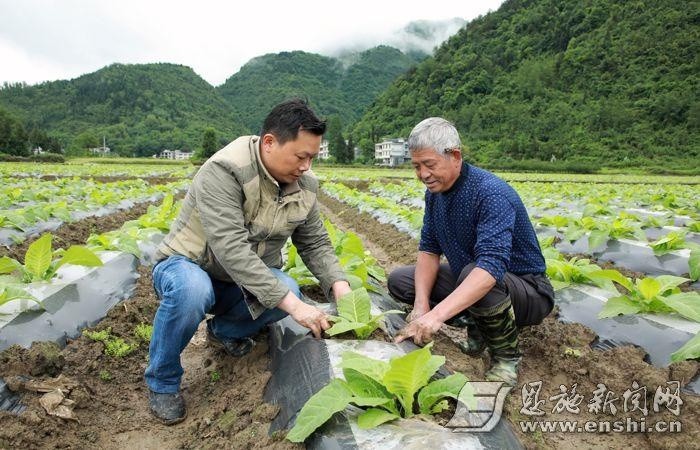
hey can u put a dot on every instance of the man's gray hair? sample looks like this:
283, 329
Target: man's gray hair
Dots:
434, 133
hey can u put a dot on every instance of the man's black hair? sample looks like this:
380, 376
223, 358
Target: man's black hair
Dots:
286, 119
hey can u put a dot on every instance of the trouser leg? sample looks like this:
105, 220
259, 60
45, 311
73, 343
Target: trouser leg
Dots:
186, 294
232, 320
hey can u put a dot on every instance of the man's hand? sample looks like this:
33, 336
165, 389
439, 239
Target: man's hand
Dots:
419, 310
340, 288
421, 330
305, 315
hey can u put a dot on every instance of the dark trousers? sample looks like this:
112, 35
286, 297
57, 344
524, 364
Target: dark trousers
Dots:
532, 296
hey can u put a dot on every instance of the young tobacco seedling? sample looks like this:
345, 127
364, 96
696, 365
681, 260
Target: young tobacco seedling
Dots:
394, 389
654, 295
354, 314
9, 293
41, 262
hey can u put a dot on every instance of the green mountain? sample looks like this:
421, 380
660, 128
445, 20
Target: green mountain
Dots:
589, 81
139, 109
342, 86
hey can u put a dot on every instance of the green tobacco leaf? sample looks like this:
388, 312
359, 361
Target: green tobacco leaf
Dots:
558, 285
343, 326
613, 275
355, 306
291, 257
687, 304
332, 398
354, 281
408, 373
370, 367
374, 417
370, 401
80, 256
439, 389
363, 385
597, 238
376, 272
618, 305
37, 260
439, 407
353, 244
8, 265
667, 282
365, 331
694, 264
648, 288
690, 350
10, 293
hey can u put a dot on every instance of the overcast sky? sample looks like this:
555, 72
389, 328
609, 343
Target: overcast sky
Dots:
60, 39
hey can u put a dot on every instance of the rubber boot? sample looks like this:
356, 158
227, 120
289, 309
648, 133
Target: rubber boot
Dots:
497, 326
474, 345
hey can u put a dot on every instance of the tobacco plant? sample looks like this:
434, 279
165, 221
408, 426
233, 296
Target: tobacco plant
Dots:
401, 387
354, 314
41, 262
652, 295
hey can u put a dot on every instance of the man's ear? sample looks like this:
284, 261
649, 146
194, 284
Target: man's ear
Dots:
456, 155
267, 141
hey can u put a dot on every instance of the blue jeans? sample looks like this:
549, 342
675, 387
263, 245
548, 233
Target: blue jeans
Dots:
186, 294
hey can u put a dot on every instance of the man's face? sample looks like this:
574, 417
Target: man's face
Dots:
287, 162
437, 171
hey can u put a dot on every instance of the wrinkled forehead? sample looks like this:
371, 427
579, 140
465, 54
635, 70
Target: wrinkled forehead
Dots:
423, 155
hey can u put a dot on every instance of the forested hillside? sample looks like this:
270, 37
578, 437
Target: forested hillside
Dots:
140, 109
343, 87
592, 81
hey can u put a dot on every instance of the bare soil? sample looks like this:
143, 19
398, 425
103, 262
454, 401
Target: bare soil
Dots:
224, 395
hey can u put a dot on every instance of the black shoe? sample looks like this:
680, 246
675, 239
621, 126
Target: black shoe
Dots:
168, 408
234, 347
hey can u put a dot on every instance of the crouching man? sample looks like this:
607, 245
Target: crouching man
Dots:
223, 253
495, 279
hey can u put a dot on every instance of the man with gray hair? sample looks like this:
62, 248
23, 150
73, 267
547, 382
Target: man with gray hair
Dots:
495, 279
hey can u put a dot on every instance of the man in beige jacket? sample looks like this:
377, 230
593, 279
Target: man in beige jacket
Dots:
223, 253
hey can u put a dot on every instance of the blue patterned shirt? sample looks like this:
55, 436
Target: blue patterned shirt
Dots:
481, 219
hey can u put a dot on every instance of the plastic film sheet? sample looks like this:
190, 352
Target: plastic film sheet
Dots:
301, 366
74, 306
659, 335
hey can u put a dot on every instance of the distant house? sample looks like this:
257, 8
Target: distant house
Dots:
100, 151
391, 152
324, 154
38, 151
175, 154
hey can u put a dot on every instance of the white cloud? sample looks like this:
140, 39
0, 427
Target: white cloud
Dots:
51, 39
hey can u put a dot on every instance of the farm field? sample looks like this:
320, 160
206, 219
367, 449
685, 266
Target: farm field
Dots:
614, 244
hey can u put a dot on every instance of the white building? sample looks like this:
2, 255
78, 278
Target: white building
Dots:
324, 154
175, 154
391, 152
100, 151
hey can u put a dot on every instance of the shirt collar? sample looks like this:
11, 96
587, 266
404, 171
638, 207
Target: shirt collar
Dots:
461, 179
